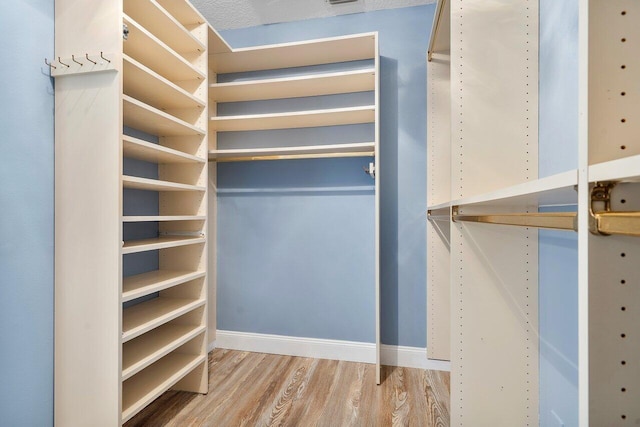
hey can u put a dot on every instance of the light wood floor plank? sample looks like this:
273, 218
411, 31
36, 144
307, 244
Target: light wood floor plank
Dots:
253, 389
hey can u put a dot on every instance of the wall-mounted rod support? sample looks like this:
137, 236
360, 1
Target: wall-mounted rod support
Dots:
552, 220
432, 216
606, 222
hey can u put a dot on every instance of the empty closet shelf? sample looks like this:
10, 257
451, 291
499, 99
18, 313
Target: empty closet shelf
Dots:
155, 54
135, 246
624, 169
141, 82
294, 87
147, 283
141, 352
158, 21
297, 54
136, 183
143, 317
366, 149
146, 386
135, 148
140, 116
298, 119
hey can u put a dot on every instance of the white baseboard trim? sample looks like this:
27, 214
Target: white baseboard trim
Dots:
351, 351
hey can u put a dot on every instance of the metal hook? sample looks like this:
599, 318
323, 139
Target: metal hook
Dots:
90, 60
73, 58
50, 65
102, 56
60, 61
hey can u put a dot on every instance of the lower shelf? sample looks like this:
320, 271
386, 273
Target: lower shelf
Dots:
148, 385
143, 351
148, 315
154, 281
164, 242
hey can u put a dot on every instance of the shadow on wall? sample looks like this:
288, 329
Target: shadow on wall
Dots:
389, 270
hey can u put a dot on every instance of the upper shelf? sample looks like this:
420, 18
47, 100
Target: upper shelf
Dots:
155, 54
144, 84
140, 116
625, 169
216, 43
440, 40
280, 153
184, 12
149, 152
298, 119
553, 190
152, 16
137, 183
297, 54
295, 87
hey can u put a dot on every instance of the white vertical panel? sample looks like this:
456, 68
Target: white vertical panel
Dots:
88, 228
377, 209
438, 290
494, 300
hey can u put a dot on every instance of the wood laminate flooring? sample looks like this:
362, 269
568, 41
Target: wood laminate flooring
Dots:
255, 389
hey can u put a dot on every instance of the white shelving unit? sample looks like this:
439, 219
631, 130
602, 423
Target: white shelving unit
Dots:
112, 358
300, 54
482, 182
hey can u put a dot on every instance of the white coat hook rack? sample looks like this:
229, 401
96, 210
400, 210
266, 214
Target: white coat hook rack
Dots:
76, 64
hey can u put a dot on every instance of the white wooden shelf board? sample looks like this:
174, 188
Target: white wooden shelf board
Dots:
152, 52
216, 43
553, 190
297, 54
625, 169
439, 206
440, 40
294, 87
143, 317
365, 149
140, 116
155, 18
184, 12
149, 152
154, 281
146, 386
135, 246
144, 84
163, 218
141, 352
290, 120
137, 183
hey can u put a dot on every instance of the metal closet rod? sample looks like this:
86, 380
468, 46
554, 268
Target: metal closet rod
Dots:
292, 156
602, 223
436, 27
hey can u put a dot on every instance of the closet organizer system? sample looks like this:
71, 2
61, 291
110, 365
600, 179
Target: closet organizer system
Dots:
135, 80
486, 202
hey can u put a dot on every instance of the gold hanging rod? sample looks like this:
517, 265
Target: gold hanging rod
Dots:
623, 223
293, 156
552, 220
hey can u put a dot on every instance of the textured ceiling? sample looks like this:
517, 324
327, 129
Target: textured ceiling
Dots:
226, 14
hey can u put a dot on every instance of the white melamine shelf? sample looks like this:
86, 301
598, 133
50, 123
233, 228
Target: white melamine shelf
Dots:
143, 317
137, 183
297, 54
149, 152
294, 87
154, 281
163, 218
164, 242
154, 18
553, 190
144, 84
140, 116
439, 206
335, 150
440, 40
625, 169
141, 352
146, 386
152, 52
291, 120
216, 43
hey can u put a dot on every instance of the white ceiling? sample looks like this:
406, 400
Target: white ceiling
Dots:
227, 14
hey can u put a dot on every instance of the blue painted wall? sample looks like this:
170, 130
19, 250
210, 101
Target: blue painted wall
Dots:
295, 242
558, 251
26, 214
